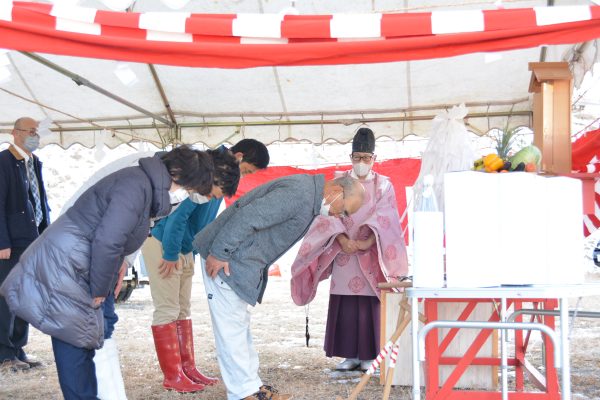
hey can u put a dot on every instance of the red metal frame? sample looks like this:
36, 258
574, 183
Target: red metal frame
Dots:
434, 350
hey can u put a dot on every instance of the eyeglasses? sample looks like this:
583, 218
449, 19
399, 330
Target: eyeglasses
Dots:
358, 158
342, 213
30, 132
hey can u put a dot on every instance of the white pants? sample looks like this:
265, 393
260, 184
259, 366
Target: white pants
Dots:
238, 360
108, 372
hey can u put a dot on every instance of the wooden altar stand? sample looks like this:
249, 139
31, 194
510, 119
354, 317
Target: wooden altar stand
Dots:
391, 346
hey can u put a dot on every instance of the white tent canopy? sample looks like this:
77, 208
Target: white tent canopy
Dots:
308, 103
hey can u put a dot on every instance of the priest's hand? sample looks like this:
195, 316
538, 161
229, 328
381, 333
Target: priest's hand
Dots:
366, 244
348, 246
213, 265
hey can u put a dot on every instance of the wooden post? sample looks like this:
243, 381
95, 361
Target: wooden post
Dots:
551, 85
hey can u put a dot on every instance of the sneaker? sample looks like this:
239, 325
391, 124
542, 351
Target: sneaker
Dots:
257, 396
365, 364
32, 361
349, 364
274, 393
266, 392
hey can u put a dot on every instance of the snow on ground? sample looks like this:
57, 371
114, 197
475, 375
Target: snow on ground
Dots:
278, 327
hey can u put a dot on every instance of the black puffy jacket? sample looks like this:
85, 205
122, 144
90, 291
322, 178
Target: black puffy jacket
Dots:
78, 257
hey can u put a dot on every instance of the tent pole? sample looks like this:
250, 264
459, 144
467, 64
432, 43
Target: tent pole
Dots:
162, 93
79, 80
435, 108
280, 123
349, 121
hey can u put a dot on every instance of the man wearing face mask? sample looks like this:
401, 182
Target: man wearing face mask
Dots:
24, 214
169, 259
241, 244
358, 251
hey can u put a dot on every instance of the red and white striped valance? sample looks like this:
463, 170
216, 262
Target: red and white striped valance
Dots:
586, 156
591, 222
252, 40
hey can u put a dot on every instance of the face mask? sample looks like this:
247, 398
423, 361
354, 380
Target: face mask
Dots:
178, 196
361, 169
32, 143
326, 207
198, 198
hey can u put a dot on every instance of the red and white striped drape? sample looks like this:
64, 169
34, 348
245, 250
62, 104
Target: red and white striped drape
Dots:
253, 40
591, 222
586, 158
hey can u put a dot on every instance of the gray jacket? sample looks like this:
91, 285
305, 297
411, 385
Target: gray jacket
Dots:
258, 228
78, 257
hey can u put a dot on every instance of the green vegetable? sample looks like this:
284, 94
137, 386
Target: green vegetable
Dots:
520, 167
529, 154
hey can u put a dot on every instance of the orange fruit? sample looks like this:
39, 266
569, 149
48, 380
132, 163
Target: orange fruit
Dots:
530, 167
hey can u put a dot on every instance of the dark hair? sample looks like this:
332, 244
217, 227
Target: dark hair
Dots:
227, 171
254, 152
192, 169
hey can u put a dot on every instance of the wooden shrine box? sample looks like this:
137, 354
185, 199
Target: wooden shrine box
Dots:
476, 377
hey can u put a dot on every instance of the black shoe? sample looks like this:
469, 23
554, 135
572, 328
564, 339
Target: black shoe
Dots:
32, 361
13, 366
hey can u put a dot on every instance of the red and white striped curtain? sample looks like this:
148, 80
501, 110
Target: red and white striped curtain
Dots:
586, 158
591, 222
253, 40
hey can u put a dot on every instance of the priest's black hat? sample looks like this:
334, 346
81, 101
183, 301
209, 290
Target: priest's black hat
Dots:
364, 141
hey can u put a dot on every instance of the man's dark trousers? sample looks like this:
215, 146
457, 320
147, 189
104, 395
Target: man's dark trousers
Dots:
76, 371
110, 316
13, 330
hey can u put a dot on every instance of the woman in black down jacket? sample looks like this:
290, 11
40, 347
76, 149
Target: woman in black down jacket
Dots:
64, 276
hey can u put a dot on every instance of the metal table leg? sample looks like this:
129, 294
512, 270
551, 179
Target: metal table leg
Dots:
503, 355
564, 349
416, 391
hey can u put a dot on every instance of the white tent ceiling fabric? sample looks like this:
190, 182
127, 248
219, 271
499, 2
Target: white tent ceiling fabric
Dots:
315, 104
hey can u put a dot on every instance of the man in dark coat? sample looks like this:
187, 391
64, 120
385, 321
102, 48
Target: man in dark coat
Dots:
24, 214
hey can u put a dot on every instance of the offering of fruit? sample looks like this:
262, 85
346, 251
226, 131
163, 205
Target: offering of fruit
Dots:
528, 159
478, 164
492, 162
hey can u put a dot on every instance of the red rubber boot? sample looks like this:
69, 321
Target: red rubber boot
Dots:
169, 358
186, 347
